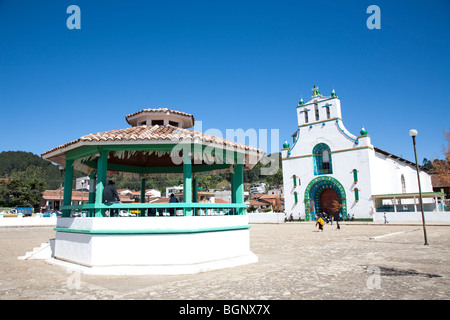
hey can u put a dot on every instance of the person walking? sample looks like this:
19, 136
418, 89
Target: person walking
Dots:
385, 219
337, 223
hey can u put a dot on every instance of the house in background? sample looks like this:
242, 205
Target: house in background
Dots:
52, 199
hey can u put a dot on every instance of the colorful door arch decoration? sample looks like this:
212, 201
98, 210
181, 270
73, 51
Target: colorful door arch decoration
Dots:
313, 191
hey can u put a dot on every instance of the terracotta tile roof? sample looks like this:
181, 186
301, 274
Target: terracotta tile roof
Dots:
59, 193
166, 200
257, 203
164, 133
76, 195
271, 196
160, 110
162, 200
218, 200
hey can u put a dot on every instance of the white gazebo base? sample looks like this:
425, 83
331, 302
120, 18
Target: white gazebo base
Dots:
152, 245
154, 269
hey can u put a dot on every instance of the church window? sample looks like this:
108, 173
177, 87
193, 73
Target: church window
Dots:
325, 160
316, 110
322, 159
306, 117
327, 108
402, 178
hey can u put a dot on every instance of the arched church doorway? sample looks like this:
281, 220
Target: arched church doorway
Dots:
327, 200
325, 194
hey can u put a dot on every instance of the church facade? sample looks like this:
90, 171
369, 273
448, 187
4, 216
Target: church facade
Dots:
328, 169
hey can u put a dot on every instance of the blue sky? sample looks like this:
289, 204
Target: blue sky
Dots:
232, 64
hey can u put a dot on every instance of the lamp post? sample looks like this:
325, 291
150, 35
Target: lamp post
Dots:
413, 134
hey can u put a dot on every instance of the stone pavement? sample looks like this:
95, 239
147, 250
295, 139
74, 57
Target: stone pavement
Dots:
295, 262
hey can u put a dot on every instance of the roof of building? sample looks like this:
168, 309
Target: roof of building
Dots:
161, 113
257, 203
271, 196
58, 194
393, 156
150, 134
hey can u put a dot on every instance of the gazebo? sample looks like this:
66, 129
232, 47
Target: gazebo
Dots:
158, 238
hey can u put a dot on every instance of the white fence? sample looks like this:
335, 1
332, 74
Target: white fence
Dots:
266, 217
27, 221
442, 217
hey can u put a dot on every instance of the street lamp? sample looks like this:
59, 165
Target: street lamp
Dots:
413, 134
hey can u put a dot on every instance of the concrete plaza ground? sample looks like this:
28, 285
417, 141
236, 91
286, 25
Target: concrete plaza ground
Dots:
295, 262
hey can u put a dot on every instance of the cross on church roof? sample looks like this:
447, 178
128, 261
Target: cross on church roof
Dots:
316, 92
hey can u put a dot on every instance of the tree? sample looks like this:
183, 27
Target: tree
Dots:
336, 207
442, 167
25, 187
16, 161
427, 165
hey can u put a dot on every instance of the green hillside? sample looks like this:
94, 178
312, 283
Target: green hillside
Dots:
13, 162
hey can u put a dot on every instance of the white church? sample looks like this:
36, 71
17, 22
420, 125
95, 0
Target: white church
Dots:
328, 169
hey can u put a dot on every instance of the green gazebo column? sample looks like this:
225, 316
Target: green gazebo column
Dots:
68, 178
143, 190
195, 191
187, 183
233, 191
238, 185
142, 211
91, 189
101, 180
92, 179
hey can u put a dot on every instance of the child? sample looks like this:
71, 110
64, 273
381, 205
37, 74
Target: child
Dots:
320, 222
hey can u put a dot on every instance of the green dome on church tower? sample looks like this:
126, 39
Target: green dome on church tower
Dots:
363, 131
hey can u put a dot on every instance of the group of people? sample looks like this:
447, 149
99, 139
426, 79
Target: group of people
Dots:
323, 218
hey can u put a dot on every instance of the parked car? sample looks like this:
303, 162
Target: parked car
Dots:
125, 213
9, 214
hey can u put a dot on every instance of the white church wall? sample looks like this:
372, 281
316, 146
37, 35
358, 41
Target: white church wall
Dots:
387, 177
298, 167
345, 163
